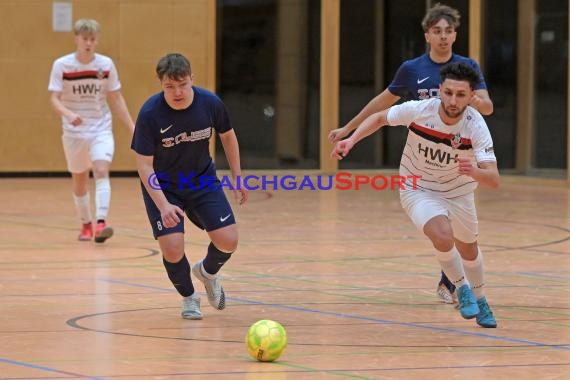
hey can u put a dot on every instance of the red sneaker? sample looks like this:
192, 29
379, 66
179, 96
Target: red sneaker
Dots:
102, 232
86, 233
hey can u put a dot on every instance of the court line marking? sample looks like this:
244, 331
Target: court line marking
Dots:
46, 369
363, 318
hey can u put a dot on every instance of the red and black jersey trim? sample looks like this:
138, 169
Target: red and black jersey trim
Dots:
439, 137
91, 74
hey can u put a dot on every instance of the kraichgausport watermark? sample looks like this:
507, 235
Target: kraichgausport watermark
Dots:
339, 181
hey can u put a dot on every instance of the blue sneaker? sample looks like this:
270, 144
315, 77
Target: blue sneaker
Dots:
467, 302
485, 317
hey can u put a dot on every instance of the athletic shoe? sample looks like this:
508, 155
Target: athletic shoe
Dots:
467, 302
216, 295
191, 307
102, 232
444, 294
485, 317
86, 233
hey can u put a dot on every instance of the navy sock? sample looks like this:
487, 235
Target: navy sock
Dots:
445, 281
179, 275
215, 259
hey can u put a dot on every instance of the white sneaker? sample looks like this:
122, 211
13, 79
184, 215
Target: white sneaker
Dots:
191, 307
445, 295
216, 296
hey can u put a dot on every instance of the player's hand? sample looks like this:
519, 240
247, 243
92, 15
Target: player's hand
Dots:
466, 166
341, 149
242, 195
337, 134
171, 215
475, 102
75, 119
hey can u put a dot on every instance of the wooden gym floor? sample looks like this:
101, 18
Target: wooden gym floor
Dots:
344, 271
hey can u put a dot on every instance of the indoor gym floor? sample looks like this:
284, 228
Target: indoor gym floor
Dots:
345, 272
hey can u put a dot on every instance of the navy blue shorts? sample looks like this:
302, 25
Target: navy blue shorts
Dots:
207, 208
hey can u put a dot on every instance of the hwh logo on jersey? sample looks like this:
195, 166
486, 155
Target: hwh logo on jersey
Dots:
432, 155
86, 89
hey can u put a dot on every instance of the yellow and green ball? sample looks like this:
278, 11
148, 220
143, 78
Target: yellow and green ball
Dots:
266, 340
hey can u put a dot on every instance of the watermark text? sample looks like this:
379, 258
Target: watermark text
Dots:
339, 181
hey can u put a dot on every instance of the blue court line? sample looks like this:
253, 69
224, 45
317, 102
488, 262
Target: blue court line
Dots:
46, 369
370, 319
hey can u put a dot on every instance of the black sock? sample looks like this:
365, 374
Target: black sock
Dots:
179, 275
215, 259
445, 281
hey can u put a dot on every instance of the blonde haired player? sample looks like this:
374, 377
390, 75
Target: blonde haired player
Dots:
80, 85
450, 147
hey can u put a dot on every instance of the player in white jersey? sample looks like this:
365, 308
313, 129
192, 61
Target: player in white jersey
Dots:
80, 85
417, 79
449, 145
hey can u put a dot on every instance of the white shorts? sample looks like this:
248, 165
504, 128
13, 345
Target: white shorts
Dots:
421, 206
80, 152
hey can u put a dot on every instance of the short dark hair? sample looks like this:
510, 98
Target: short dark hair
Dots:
460, 71
438, 12
174, 66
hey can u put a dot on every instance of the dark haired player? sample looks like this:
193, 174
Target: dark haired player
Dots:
418, 79
450, 147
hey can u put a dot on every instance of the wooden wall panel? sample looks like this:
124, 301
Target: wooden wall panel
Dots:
135, 33
330, 67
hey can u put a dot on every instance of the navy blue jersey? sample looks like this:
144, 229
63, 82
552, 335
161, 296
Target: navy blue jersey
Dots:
419, 78
179, 139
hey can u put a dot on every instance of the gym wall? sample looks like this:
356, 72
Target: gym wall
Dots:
135, 33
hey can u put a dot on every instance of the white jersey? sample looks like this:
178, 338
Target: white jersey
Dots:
84, 90
432, 146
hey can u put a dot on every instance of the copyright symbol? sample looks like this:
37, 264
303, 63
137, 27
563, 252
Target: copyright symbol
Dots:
158, 181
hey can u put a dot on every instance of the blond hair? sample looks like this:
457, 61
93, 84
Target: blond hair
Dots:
86, 26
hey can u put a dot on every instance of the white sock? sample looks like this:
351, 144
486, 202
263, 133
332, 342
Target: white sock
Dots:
82, 205
475, 274
102, 197
451, 265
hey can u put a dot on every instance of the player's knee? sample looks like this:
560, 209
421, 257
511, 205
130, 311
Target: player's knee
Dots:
226, 238
227, 246
99, 172
172, 254
442, 241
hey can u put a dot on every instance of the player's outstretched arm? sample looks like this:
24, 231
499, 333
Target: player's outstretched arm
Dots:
482, 102
381, 102
370, 125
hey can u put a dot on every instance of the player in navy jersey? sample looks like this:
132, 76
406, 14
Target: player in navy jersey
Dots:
450, 148
81, 83
178, 178
419, 78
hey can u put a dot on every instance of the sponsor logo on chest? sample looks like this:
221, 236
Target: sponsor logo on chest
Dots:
202, 134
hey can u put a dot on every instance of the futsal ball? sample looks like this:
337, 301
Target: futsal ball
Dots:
266, 340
